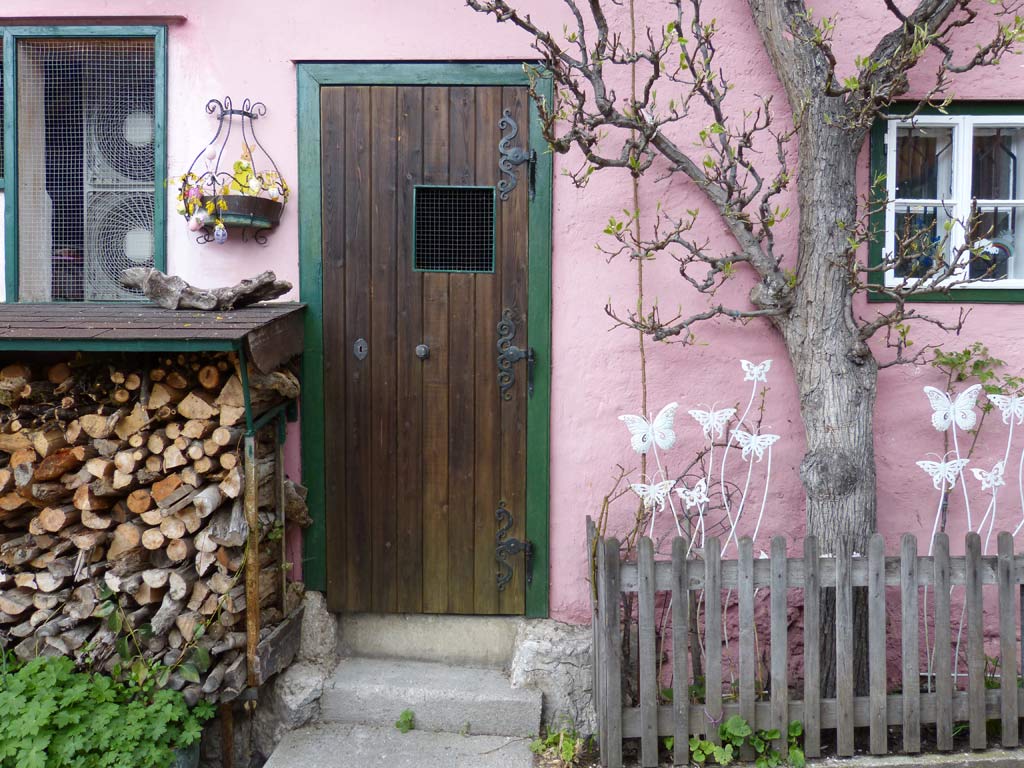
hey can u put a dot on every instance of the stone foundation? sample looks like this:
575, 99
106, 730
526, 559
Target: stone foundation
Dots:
555, 658
290, 700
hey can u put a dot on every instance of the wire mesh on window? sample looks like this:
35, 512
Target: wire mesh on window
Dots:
85, 166
454, 229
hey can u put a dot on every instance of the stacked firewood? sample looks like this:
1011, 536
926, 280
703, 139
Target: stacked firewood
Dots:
122, 528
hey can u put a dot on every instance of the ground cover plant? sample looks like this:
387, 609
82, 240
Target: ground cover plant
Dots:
54, 715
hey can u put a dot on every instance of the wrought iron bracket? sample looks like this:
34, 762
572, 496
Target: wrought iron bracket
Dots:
509, 354
510, 157
508, 547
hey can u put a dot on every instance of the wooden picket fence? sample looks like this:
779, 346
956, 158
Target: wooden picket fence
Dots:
947, 701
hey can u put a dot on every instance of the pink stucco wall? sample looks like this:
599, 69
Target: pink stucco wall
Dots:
248, 49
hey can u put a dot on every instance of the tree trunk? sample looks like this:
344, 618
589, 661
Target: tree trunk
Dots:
836, 374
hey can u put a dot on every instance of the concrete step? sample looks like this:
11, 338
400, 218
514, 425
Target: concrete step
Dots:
477, 641
460, 700
360, 746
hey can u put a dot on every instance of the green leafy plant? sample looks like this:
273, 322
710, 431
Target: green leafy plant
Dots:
406, 721
795, 740
565, 744
735, 733
72, 719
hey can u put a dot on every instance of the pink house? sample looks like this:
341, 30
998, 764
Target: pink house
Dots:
461, 385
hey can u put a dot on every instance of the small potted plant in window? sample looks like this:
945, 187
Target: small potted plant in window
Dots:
251, 195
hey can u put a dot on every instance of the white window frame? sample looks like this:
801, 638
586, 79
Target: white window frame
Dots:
962, 177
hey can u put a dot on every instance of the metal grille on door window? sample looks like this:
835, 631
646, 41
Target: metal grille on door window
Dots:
453, 229
86, 166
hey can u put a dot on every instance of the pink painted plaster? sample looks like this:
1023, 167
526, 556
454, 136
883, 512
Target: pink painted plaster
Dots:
248, 49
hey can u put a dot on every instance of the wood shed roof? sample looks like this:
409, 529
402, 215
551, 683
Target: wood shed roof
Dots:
269, 333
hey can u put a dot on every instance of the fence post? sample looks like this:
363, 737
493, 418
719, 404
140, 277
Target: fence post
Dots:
712, 639
876, 645
611, 685
648, 651
812, 649
595, 619
911, 648
943, 639
1007, 642
844, 650
748, 652
680, 665
780, 645
975, 645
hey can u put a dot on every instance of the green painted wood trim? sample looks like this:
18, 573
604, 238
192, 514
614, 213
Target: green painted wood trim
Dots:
538, 407
112, 30
314, 558
10, 170
877, 219
160, 149
538, 460
11, 36
958, 107
118, 345
416, 73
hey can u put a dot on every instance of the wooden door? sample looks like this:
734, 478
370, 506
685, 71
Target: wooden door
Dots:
420, 452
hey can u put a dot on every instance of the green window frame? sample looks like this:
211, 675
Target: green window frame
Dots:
961, 116
11, 36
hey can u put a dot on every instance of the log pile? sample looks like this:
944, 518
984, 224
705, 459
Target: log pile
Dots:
122, 530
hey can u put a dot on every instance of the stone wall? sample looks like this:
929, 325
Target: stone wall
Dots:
290, 700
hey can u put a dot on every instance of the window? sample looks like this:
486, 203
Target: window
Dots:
85, 192
453, 228
953, 181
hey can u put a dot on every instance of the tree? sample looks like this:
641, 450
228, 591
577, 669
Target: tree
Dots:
811, 304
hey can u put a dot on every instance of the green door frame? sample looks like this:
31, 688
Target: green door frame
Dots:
311, 77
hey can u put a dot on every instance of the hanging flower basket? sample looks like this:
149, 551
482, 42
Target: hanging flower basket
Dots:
248, 195
246, 211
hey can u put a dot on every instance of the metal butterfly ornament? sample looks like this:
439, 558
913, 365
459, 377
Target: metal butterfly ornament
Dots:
713, 421
655, 494
757, 372
991, 479
695, 496
644, 433
947, 410
943, 471
1011, 406
753, 444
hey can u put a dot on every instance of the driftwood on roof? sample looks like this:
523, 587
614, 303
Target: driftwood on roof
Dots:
171, 292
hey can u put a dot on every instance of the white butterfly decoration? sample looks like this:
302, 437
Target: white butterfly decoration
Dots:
948, 411
692, 497
713, 421
992, 479
654, 494
757, 372
1011, 406
659, 432
753, 443
943, 471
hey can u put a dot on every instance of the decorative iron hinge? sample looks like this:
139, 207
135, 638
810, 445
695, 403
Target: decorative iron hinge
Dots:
509, 355
508, 547
510, 156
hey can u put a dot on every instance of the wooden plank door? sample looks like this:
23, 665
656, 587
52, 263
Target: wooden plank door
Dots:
421, 449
